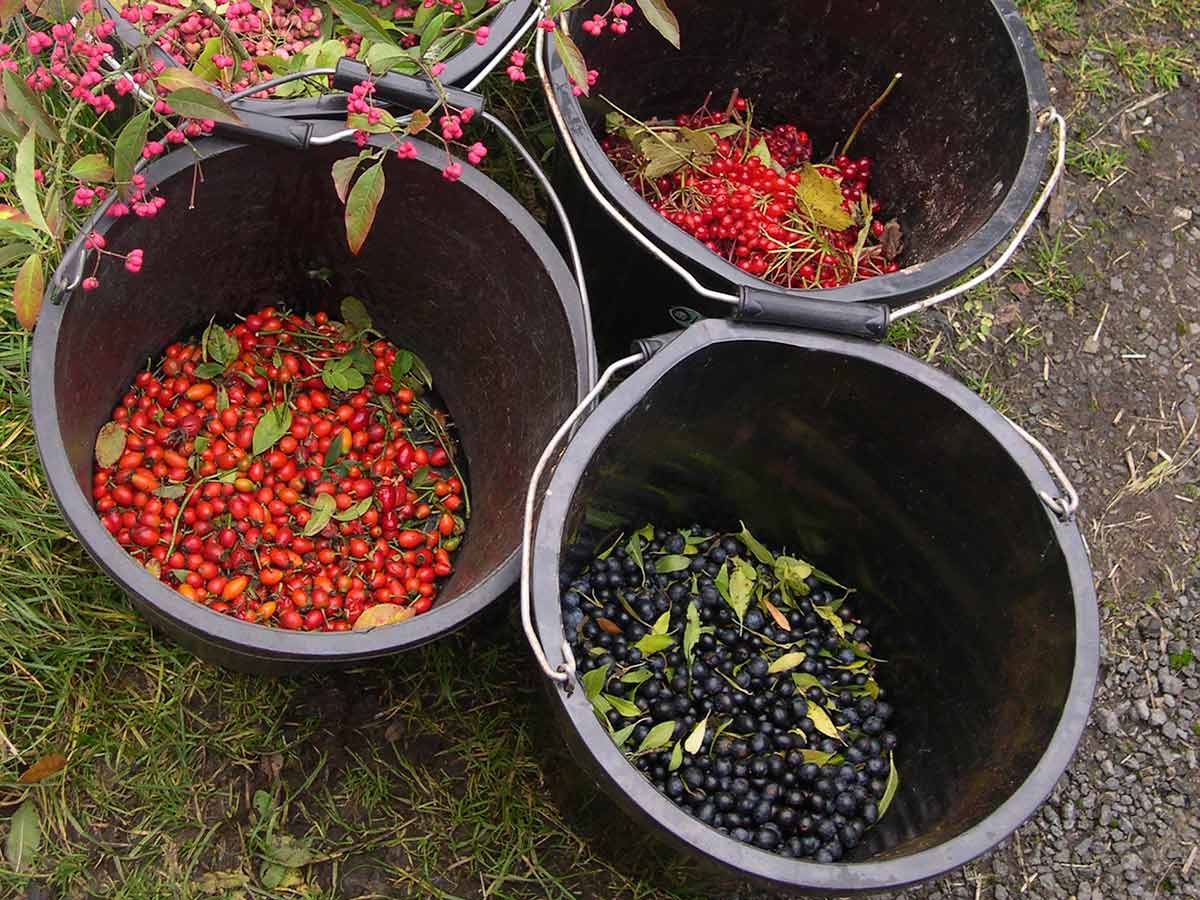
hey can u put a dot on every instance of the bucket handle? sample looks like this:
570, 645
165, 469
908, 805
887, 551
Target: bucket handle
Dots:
565, 673
762, 305
1063, 507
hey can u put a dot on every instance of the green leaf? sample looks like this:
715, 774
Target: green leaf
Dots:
335, 450
219, 345
634, 548
24, 832
691, 632
271, 875
110, 444
273, 425
354, 314
290, 853
323, 509
722, 581
572, 59
362, 360
24, 102
659, 15
204, 67
665, 565
383, 58
761, 553
199, 103
821, 720
659, 736
822, 198
222, 399
792, 573
818, 757
893, 785
209, 370
28, 290
353, 512
654, 643
637, 676
762, 153
804, 681
558, 7
173, 78
343, 171
359, 18
663, 624
433, 29
94, 167
402, 364
620, 737
170, 491
741, 588
786, 663
26, 184
626, 708
129, 146
362, 205
594, 681
676, 757
695, 740
832, 618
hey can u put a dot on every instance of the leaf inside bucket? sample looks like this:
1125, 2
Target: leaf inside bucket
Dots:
110, 444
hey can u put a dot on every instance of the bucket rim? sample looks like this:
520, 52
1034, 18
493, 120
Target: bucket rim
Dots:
460, 66
223, 632
910, 283
750, 862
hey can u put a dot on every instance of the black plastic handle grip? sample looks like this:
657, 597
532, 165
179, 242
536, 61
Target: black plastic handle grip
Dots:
863, 320
648, 347
405, 91
294, 133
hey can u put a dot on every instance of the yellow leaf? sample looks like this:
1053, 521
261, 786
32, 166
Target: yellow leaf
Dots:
43, 768
822, 199
383, 614
821, 719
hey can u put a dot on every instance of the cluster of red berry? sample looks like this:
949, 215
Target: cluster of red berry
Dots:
757, 200
289, 471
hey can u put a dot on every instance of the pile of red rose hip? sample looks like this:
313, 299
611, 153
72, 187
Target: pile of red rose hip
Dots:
291, 471
753, 196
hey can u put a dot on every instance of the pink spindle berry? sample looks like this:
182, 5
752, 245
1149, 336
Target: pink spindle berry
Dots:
407, 150
476, 153
437, 69
133, 260
467, 114
515, 73
481, 35
452, 172
594, 25
83, 196
622, 10
94, 241
546, 25
90, 283
517, 58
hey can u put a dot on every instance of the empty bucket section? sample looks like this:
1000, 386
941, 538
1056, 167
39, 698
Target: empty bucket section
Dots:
948, 142
444, 272
897, 491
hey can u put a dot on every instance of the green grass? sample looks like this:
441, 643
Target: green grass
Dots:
1100, 161
1144, 66
1049, 271
1056, 15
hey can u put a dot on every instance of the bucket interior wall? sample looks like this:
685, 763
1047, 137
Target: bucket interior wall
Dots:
443, 273
947, 143
895, 490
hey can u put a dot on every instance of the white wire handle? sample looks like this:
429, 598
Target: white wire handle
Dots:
565, 673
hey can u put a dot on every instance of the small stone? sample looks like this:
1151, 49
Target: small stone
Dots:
1144, 313
1170, 731
1170, 684
1142, 709
1182, 212
1158, 718
1167, 260
1116, 284
1109, 723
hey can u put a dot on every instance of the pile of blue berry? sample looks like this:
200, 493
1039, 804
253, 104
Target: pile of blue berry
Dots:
740, 683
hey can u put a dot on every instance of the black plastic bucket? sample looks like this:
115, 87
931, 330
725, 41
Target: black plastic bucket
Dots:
957, 146
459, 272
461, 67
903, 483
